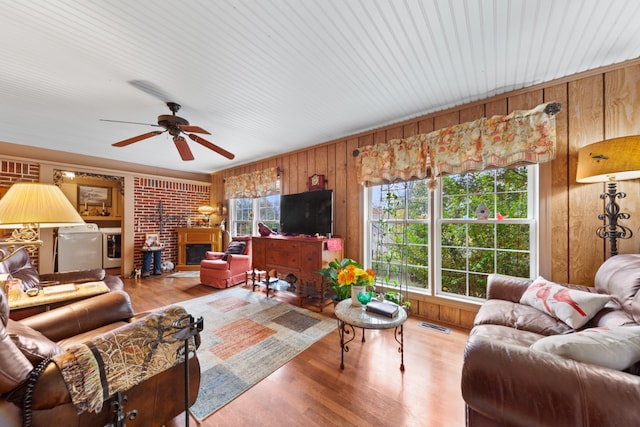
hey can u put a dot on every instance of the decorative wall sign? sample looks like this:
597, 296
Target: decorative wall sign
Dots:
316, 182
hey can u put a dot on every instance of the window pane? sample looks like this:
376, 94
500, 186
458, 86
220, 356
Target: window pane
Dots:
477, 285
514, 263
454, 258
481, 261
475, 249
513, 236
481, 235
454, 234
269, 211
454, 207
454, 282
512, 205
399, 233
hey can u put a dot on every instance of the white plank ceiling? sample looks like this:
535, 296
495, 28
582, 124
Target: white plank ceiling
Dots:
271, 76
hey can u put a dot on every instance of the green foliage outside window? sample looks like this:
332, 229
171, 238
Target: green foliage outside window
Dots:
470, 249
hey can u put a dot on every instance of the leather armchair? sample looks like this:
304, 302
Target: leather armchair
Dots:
24, 344
506, 381
224, 269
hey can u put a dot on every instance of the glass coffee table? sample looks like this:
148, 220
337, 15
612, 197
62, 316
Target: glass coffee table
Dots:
350, 318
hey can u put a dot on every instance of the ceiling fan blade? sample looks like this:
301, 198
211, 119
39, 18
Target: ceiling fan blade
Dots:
211, 146
191, 128
131, 123
183, 148
137, 138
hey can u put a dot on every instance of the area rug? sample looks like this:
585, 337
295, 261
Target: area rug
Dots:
185, 274
247, 337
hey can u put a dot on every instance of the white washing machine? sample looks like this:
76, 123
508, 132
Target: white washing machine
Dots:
79, 248
111, 247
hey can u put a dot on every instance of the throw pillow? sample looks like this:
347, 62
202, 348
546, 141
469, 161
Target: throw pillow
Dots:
234, 248
616, 348
573, 307
35, 346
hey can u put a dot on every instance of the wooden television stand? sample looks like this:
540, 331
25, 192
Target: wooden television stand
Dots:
299, 256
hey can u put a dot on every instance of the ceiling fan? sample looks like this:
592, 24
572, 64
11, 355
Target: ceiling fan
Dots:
176, 126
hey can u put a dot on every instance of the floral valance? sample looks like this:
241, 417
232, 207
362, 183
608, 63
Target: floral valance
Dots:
498, 141
255, 184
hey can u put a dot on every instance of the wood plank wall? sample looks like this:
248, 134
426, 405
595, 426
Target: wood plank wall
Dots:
596, 105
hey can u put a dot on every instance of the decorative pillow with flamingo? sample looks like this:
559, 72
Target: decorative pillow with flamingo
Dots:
571, 306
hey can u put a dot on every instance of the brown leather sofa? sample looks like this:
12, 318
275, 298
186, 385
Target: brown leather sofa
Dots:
506, 382
25, 344
20, 267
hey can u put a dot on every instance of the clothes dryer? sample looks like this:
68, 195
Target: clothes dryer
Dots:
79, 248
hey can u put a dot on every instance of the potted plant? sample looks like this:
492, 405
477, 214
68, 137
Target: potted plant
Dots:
342, 275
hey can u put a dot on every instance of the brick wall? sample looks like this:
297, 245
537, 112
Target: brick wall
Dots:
178, 201
12, 172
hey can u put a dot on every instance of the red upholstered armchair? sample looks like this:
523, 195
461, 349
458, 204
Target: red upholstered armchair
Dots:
224, 269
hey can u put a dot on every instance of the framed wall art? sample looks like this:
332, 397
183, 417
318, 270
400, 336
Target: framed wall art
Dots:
89, 195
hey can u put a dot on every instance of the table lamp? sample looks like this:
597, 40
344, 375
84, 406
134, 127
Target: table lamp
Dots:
610, 161
29, 206
206, 211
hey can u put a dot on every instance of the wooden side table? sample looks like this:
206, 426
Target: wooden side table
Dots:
82, 291
350, 318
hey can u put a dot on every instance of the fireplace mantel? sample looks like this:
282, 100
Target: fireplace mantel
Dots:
196, 236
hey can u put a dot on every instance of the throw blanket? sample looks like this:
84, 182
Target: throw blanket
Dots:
120, 359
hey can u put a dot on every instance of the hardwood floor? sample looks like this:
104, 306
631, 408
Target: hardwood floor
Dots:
312, 390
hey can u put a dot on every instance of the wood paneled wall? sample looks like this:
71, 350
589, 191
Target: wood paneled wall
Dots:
596, 105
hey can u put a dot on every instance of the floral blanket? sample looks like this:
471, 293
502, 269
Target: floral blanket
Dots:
122, 358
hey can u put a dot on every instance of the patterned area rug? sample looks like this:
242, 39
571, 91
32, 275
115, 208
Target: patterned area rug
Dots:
185, 274
246, 337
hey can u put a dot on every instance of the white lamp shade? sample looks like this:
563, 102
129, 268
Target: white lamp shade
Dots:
34, 203
615, 159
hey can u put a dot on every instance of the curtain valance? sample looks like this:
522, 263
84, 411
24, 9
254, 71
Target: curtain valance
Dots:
255, 184
499, 141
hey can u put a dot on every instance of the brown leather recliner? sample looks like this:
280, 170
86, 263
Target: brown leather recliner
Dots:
25, 344
509, 380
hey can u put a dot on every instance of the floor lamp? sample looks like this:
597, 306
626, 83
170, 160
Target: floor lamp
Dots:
610, 161
29, 206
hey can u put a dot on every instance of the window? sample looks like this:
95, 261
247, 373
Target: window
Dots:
399, 229
245, 214
486, 223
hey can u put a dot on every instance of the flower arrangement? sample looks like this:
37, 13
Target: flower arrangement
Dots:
341, 275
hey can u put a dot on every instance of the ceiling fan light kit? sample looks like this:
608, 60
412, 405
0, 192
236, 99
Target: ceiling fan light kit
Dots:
176, 126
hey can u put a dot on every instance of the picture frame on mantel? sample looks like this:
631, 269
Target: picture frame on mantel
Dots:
89, 195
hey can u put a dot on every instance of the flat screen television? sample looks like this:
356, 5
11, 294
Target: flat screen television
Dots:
308, 213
